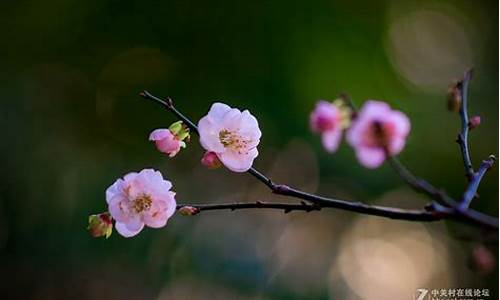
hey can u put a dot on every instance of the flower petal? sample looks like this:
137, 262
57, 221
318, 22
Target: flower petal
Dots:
401, 122
331, 139
159, 134
217, 112
232, 120
159, 214
119, 209
238, 162
209, 135
114, 190
125, 231
370, 157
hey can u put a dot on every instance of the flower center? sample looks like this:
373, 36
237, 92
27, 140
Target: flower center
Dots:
379, 135
142, 203
234, 141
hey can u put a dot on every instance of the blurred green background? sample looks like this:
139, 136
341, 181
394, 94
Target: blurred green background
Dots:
73, 123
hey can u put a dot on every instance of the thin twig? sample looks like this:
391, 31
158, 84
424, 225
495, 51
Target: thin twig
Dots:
463, 136
476, 180
431, 213
454, 209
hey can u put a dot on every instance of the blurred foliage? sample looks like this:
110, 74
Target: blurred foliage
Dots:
73, 123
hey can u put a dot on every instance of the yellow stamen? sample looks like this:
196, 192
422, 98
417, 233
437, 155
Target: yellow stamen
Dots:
142, 203
233, 141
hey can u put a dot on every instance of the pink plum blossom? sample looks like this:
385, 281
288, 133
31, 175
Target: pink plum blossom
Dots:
166, 141
232, 135
326, 119
376, 130
140, 199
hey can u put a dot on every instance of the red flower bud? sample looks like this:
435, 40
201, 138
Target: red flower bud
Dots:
210, 160
100, 225
188, 210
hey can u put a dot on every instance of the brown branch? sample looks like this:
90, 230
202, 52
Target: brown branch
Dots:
432, 212
389, 212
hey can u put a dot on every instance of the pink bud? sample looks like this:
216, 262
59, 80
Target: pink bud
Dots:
166, 142
210, 160
474, 122
100, 225
188, 210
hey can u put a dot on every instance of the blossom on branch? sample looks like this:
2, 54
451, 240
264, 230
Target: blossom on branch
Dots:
329, 119
378, 131
232, 135
140, 199
170, 141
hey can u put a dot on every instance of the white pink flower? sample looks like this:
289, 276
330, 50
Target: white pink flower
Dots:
376, 130
326, 119
140, 199
232, 135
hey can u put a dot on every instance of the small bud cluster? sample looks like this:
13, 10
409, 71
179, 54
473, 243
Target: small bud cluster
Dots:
141, 199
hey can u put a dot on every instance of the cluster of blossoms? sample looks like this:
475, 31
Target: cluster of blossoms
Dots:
375, 132
230, 138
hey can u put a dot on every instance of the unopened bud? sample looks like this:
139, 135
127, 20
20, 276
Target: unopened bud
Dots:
474, 122
100, 225
210, 160
188, 210
454, 98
